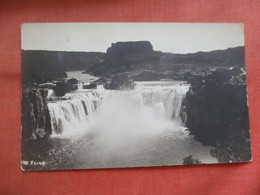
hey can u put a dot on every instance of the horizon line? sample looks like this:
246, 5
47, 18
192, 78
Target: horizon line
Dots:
80, 51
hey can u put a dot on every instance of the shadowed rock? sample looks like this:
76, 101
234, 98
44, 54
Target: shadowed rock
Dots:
124, 56
90, 86
217, 114
62, 88
73, 81
120, 82
35, 114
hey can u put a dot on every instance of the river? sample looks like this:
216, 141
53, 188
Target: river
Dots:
99, 128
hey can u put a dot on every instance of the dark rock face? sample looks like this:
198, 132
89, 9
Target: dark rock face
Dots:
130, 57
124, 48
183, 111
94, 84
62, 88
217, 114
190, 160
120, 82
73, 81
90, 86
43, 66
35, 114
147, 76
218, 58
135, 57
124, 56
100, 81
36, 74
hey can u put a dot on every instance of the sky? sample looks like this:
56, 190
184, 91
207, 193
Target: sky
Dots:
166, 37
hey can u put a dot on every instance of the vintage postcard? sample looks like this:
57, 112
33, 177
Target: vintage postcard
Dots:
113, 95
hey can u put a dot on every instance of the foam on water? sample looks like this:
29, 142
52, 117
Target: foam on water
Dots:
140, 127
149, 108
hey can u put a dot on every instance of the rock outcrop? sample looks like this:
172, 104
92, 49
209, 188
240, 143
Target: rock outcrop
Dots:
90, 86
124, 56
35, 114
120, 82
61, 88
218, 58
73, 81
100, 81
135, 57
94, 84
42, 66
217, 113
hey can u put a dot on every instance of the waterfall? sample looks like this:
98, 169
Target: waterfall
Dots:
73, 113
168, 99
148, 102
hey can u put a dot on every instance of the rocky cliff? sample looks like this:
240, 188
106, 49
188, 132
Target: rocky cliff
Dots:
137, 57
218, 58
35, 114
42, 66
217, 113
125, 56
131, 57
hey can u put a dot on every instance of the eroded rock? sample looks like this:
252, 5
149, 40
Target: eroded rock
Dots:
35, 114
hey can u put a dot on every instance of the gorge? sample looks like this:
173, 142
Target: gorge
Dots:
154, 101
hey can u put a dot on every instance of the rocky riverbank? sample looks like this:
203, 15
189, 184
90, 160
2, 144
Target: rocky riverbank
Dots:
215, 108
217, 113
35, 114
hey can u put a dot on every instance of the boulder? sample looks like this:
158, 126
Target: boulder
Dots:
100, 81
62, 88
90, 86
94, 84
120, 82
73, 81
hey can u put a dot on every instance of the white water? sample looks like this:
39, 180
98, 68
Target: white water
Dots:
71, 116
140, 127
150, 107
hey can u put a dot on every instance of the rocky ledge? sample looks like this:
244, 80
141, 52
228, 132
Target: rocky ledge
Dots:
125, 56
35, 114
217, 113
120, 82
63, 87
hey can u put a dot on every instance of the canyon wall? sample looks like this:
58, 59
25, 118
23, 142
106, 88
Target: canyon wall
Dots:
217, 113
35, 114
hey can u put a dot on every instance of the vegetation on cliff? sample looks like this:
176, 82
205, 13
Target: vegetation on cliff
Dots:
217, 113
190, 160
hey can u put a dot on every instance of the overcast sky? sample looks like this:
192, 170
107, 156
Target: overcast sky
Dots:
166, 37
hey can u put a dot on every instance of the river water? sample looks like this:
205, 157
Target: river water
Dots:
101, 128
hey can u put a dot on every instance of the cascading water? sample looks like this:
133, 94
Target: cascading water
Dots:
99, 128
72, 115
80, 110
167, 97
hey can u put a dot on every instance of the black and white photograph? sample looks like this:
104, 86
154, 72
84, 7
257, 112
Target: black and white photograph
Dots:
118, 95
